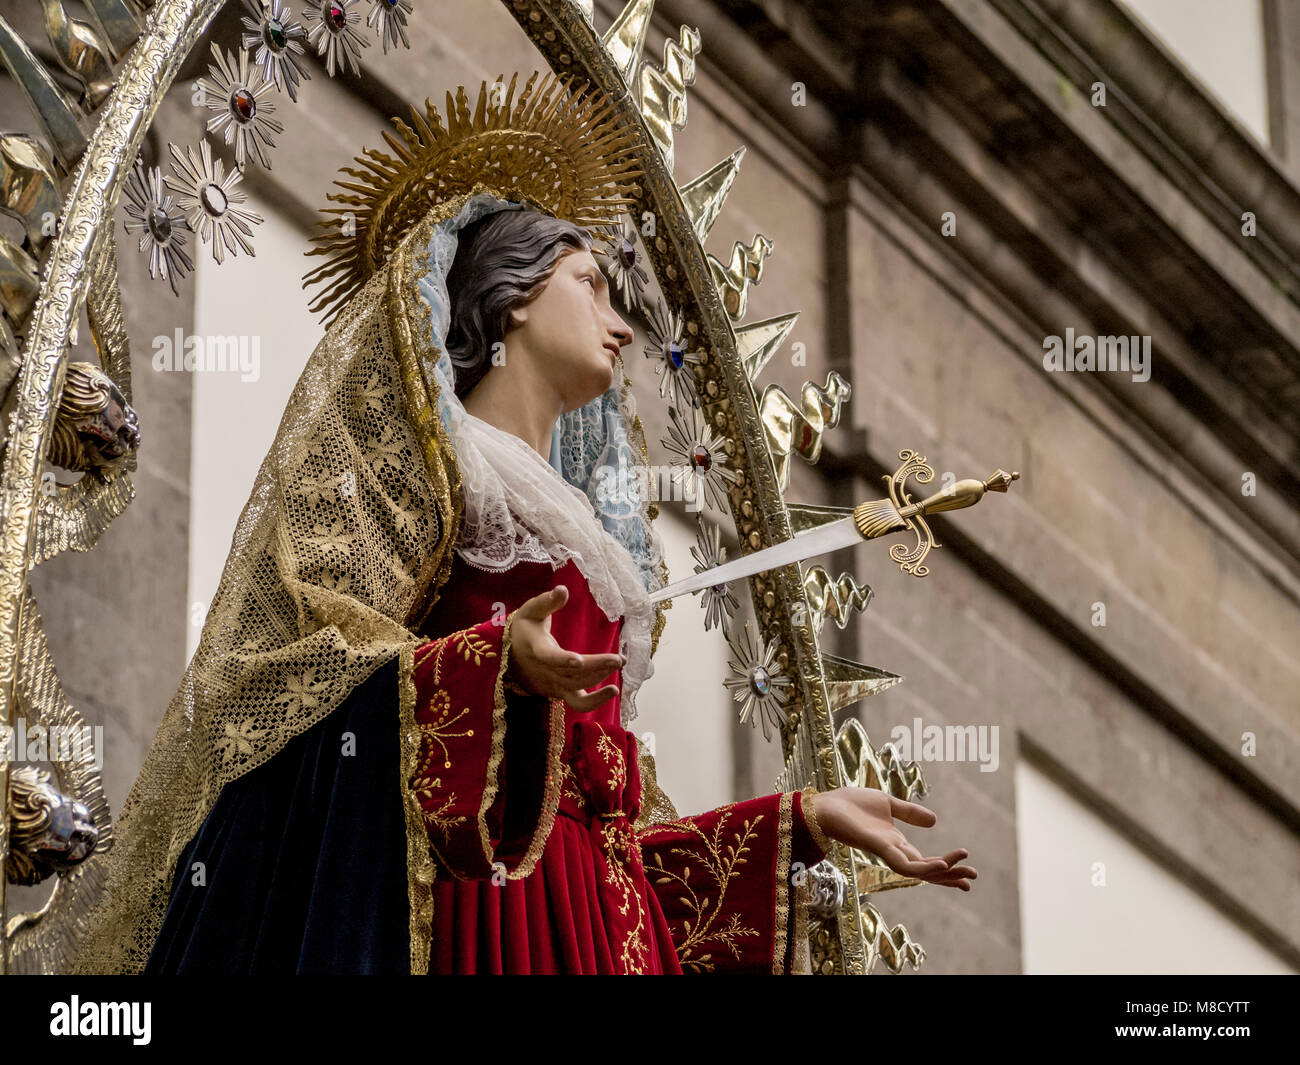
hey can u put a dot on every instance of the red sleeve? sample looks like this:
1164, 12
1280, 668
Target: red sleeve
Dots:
488, 772
726, 881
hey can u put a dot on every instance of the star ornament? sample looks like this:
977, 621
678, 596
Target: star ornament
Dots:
756, 681
389, 19
623, 263
150, 212
701, 458
212, 201
665, 341
237, 94
719, 601
277, 39
334, 33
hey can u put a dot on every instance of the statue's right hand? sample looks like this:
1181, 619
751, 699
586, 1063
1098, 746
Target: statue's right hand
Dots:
538, 663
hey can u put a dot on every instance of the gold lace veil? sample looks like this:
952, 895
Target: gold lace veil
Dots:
348, 533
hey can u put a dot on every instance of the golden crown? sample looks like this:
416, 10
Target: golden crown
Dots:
556, 147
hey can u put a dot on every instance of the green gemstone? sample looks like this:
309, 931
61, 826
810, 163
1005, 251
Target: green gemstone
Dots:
275, 35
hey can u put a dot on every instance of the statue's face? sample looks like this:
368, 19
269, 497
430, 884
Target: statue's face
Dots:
573, 330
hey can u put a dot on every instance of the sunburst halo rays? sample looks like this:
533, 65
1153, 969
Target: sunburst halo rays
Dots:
277, 39
150, 213
549, 128
756, 681
236, 93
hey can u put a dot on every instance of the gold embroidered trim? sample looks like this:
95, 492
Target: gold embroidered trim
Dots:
801, 950
419, 861
809, 808
784, 820
498, 748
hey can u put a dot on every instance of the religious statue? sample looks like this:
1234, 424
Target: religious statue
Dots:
404, 742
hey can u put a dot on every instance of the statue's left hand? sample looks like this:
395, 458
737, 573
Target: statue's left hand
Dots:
864, 818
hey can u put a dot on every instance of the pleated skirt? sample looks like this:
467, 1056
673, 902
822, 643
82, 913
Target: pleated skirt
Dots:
557, 920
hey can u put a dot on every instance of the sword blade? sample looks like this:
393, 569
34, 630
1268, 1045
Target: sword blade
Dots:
818, 541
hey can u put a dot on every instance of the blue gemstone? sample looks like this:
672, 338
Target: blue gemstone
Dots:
675, 355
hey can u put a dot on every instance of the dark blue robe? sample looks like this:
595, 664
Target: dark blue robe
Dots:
305, 857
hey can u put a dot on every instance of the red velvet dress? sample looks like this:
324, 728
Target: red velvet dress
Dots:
531, 809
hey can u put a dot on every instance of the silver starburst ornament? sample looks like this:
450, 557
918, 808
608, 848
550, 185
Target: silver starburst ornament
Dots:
719, 601
275, 41
666, 343
238, 95
212, 201
701, 466
756, 681
150, 212
623, 258
334, 33
389, 18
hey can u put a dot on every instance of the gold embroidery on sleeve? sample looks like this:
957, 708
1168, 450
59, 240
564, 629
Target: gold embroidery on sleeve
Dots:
707, 926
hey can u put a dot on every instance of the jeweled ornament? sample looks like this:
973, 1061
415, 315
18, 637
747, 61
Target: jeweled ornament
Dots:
161, 228
274, 40
213, 199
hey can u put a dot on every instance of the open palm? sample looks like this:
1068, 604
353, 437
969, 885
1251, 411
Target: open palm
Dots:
864, 818
539, 664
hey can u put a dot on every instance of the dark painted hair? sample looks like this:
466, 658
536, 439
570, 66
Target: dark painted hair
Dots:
503, 261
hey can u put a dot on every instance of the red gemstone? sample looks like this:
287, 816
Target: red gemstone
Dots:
337, 16
244, 104
700, 458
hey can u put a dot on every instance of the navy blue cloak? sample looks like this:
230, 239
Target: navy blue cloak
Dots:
304, 857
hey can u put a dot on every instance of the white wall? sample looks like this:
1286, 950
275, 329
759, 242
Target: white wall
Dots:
1222, 43
235, 420
684, 703
1143, 920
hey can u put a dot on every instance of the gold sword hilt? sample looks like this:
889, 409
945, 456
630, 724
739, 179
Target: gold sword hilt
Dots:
881, 517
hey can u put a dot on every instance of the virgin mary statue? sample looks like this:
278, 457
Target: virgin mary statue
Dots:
403, 743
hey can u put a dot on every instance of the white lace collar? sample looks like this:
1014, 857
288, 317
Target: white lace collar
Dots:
519, 508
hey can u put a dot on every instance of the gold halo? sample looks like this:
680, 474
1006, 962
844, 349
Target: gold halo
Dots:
556, 148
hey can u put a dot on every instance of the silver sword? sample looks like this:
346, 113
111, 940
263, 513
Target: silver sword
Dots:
868, 521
